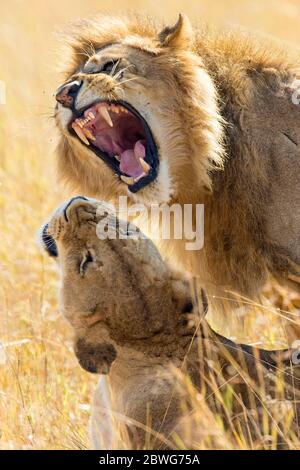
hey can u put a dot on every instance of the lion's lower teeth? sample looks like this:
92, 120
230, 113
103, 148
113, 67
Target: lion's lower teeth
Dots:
127, 179
145, 165
139, 177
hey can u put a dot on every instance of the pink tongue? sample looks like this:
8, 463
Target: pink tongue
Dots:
130, 163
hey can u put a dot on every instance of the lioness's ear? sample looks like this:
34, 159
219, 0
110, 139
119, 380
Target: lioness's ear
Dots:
180, 35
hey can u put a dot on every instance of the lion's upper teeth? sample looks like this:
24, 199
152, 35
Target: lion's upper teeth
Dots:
89, 135
80, 133
114, 108
105, 114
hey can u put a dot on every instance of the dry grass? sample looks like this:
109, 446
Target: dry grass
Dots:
44, 395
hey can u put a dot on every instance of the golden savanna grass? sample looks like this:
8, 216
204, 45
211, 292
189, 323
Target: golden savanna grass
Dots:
44, 395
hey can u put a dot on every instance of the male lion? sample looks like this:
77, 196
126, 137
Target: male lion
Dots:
134, 319
185, 116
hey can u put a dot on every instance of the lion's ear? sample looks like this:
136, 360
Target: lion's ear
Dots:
180, 35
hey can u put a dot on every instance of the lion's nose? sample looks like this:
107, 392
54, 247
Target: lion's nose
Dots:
66, 94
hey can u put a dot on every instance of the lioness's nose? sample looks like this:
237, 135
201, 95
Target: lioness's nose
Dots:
66, 94
48, 242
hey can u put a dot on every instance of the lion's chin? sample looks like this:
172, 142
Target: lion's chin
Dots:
115, 132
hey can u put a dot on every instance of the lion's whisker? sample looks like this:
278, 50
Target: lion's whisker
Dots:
122, 71
128, 80
114, 68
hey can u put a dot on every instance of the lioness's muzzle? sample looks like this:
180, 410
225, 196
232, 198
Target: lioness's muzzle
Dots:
48, 242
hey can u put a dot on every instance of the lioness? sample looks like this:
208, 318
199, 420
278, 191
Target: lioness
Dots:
132, 320
177, 115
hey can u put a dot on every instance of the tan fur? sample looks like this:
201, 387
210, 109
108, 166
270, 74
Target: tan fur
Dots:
132, 320
220, 108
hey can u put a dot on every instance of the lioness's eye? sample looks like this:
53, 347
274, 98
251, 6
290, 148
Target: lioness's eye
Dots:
85, 262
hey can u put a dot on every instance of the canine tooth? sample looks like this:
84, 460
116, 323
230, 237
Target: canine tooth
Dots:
117, 157
127, 179
80, 133
145, 165
89, 135
105, 114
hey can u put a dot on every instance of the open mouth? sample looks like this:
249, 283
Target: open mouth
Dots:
120, 136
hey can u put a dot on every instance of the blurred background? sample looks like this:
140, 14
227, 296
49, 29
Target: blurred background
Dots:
44, 395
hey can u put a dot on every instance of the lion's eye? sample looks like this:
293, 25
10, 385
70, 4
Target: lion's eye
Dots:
109, 66
87, 259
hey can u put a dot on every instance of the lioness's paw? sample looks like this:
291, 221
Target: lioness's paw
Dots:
97, 358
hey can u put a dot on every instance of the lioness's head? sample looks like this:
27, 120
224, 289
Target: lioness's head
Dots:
115, 289
137, 112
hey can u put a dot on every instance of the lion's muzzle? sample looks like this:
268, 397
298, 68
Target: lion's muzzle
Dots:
67, 93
